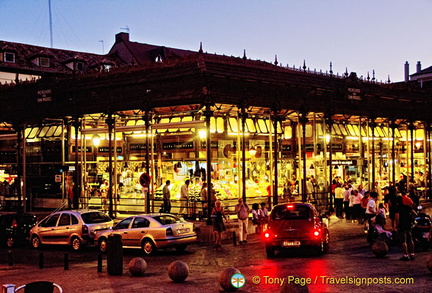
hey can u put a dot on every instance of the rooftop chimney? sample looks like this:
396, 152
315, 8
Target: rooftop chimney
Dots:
122, 37
418, 67
406, 71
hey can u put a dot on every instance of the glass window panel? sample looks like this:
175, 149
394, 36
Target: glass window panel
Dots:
32, 132
309, 131
262, 126
268, 124
351, 130
336, 129
287, 132
386, 131
50, 131
319, 129
212, 124
356, 129
419, 133
233, 125
43, 131
343, 129
220, 128
378, 130
279, 127
398, 133
250, 125
58, 131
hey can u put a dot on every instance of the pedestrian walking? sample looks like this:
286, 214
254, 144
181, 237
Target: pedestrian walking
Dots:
404, 217
218, 217
242, 211
184, 198
371, 212
166, 197
339, 198
346, 202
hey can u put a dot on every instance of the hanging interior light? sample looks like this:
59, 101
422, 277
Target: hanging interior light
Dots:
252, 151
96, 139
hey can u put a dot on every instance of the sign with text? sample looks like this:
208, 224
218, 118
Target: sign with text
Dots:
354, 94
44, 96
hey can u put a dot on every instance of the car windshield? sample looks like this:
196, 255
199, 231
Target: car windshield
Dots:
167, 219
95, 217
290, 212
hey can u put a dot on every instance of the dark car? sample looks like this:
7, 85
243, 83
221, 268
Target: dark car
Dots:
15, 228
296, 225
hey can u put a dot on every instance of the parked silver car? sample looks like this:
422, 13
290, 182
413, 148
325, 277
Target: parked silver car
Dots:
150, 232
72, 227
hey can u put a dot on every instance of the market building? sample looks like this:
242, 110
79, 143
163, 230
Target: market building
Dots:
143, 114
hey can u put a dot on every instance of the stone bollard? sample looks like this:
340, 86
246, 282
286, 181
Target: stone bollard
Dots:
225, 279
115, 255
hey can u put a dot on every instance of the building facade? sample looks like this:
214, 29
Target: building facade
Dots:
144, 114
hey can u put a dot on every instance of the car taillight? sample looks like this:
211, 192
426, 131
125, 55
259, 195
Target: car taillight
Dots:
84, 229
267, 234
169, 232
317, 233
14, 224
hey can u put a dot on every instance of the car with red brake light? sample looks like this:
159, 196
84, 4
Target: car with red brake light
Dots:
296, 225
150, 232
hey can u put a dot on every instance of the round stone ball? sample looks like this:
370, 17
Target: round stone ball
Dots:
178, 271
429, 263
225, 279
380, 248
137, 266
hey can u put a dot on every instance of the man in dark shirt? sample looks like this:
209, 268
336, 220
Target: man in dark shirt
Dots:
403, 221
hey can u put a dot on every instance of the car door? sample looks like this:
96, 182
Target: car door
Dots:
46, 229
122, 228
139, 229
63, 229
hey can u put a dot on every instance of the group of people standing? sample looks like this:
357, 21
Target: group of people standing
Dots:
396, 202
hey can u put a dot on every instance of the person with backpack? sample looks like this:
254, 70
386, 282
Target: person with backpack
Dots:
242, 211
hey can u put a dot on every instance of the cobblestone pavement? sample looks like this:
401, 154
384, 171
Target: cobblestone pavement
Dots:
349, 257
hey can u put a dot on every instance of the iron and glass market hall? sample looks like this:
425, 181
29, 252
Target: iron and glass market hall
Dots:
144, 114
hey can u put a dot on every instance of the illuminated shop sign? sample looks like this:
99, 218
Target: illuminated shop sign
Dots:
344, 162
177, 145
106, 149
80, 149
138, 147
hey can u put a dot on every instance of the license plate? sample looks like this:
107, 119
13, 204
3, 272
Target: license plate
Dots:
181, 231
425, 234
291, 243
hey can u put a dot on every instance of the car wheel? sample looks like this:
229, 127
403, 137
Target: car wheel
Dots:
181, 247
76, 243
148, 247
35, 242
103, 245
270, 251
10, 242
